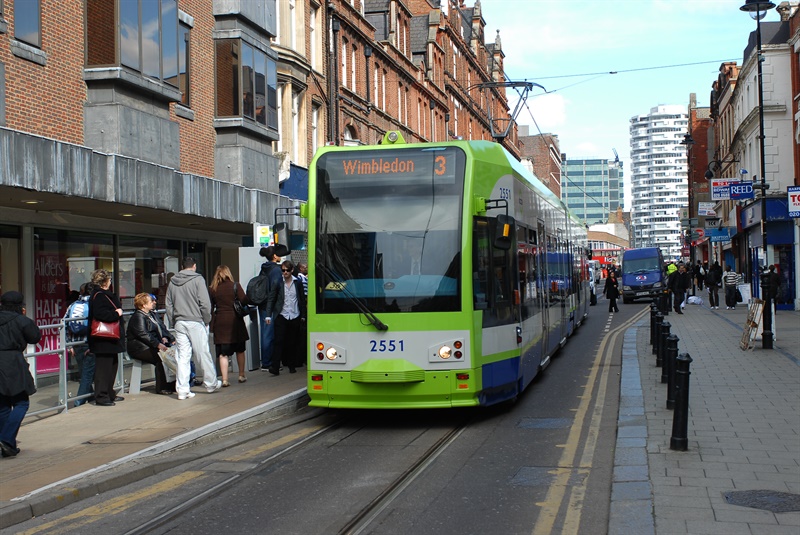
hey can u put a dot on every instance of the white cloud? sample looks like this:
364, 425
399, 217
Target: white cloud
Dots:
549, 112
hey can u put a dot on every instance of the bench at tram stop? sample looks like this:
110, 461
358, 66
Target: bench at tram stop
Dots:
135, 385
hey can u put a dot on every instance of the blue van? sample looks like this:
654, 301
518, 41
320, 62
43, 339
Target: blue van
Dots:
642, 274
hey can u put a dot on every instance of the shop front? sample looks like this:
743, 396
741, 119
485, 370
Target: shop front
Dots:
780, 250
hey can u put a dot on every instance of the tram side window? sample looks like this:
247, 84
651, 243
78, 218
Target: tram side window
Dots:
493, 276
526, 240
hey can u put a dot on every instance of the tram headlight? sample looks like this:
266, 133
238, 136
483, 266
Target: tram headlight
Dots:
445, 352
331, 353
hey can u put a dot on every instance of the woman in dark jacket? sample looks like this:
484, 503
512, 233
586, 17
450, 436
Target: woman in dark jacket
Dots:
16, 383
146, 336
104, 305
612, 291
230, 332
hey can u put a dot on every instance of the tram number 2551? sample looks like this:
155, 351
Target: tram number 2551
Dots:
385, 346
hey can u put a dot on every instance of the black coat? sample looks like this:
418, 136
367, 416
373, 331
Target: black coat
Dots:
16, 332
103, 306
143, 334
612, 288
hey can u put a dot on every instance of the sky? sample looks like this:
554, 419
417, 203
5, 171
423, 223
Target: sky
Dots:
661, 51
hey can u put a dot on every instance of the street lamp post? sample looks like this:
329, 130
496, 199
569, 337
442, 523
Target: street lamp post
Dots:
758, 10
688, 142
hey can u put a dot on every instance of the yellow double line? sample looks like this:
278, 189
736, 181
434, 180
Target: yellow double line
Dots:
545, 522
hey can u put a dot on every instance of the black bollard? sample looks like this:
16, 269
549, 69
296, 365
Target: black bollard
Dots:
669, 366
665, 302
680, 418
653, 312
659, 319
662, 346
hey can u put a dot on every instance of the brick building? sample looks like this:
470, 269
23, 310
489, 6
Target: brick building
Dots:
541, 154
136, 132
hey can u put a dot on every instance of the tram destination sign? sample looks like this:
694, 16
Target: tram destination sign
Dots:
392, 167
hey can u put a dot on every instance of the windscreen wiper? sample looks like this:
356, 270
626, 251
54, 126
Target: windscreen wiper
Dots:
359, 304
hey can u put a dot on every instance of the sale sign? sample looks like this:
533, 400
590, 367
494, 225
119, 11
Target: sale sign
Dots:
793, 193
720, 189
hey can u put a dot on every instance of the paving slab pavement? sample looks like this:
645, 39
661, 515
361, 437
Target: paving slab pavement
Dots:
741, 471
61, 451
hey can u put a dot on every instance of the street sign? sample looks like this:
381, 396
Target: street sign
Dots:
742, 190
713, 222
793, 193
700, 232
719, 235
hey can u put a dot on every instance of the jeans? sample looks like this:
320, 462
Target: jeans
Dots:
267, 335
730, 295
192, 337
86, 363
12, 411
713, 295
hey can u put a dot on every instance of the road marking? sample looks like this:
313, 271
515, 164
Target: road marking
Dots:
112, 507
276, 443
545, 522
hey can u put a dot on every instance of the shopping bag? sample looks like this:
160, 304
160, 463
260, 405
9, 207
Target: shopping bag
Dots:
169, 362
739, 298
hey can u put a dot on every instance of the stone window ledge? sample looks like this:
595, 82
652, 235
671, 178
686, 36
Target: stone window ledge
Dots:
25, 51
159, 89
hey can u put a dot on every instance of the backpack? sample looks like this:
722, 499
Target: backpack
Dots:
258, 289
80, 311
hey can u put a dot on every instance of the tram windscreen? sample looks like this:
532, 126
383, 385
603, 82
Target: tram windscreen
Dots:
389, 230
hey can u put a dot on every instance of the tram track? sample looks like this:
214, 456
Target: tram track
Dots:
359, 521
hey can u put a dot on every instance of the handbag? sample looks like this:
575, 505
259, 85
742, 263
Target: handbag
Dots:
102, 329
241, 310
739, 298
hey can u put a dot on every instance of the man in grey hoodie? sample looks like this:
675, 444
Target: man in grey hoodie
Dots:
189, 312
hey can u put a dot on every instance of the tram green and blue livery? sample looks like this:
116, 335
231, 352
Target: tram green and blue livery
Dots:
441, 275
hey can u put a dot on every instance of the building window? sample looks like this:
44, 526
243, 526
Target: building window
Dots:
149, 40
28, 22
148, 34
246, 83
314, 129
293, 24
184, 56
353, 54
344, 69
312, 37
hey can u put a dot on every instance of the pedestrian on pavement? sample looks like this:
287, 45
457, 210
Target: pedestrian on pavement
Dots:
84, 357
230, 332
611, 291
679, 282
773, 283
713, 281
289, 311
105, 306
189, 312
699, 274
729, 281
271, 270
146, 338
16, 382
302, 273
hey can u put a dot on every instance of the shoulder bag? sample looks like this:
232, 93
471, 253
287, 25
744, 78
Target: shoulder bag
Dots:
102, 329
241, 310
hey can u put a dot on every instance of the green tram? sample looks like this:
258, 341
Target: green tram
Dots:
440, 275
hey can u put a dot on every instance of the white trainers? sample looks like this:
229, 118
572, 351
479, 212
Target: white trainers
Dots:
188, 395
214, 388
